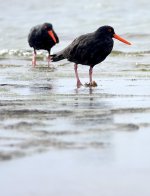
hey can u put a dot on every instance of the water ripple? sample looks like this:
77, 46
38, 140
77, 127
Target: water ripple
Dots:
27, 54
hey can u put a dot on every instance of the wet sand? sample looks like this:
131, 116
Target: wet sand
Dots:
59, 140
84, 172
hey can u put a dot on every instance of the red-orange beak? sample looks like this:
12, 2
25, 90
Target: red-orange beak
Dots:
52, 35
121, 39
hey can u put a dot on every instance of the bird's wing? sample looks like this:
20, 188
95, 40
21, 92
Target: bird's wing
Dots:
79, 45
34, 32
84, 49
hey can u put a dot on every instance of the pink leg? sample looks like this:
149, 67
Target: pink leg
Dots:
92, 83
34, 59
79, 84
90, 75
49, 59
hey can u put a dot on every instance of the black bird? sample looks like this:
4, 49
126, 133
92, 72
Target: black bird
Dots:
42, 37
89, 49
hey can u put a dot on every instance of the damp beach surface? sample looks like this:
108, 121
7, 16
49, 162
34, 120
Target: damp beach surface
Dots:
59, 140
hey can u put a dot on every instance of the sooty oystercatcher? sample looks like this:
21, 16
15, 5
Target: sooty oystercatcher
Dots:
89, 49
42, 37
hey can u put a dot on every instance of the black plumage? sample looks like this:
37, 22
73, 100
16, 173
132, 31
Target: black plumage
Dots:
42, 37
89, 49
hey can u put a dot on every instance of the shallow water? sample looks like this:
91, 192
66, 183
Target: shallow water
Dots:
41, 108
105, 128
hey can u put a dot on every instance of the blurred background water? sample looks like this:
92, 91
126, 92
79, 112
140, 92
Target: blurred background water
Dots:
70, 19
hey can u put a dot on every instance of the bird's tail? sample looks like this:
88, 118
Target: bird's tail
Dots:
57, 57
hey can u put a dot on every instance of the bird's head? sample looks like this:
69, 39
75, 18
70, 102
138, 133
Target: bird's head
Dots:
49, 28
109, 31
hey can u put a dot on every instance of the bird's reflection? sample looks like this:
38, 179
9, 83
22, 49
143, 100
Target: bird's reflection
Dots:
78, 90
87, 98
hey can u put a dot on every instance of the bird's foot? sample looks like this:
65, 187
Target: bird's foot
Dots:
91, 84
79, 84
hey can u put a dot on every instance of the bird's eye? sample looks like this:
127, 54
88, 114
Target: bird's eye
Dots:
109, 30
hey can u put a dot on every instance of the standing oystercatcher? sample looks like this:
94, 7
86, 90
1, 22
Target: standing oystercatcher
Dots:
89, 49
42, 37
